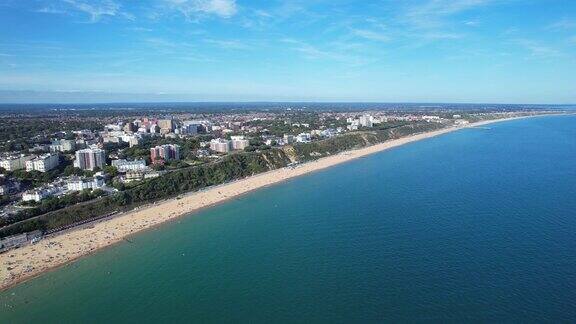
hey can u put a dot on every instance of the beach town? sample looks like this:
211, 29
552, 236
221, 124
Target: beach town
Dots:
125, 154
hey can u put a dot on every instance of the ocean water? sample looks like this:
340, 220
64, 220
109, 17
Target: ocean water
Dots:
474, 226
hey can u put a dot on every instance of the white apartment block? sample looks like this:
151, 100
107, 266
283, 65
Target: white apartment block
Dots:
43, 163
366, 121
125, 165
303, 138
62, 145
18, 162
38, 194
220, 145
79, 184
239, 142
431, 118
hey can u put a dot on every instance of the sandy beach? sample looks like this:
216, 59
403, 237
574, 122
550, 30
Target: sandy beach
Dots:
31, 260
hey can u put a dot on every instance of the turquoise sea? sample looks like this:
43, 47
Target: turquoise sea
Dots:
475, 226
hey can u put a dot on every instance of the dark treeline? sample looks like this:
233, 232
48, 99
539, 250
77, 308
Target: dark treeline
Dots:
230, 168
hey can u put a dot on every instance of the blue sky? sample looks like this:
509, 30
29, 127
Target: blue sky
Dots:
500, 51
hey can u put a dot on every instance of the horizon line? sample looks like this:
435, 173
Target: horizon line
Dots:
284, 102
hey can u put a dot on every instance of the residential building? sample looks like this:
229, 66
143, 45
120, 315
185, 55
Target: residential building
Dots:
166, 124
303, 138
39, 194
132, 140
139, 175
90, 159
191, 127
366, 121
220, 145
130, 127
79, 184
43, 163
328, 133
62, 145
431, 118
125, 165
165, 152
239, 142
16, 162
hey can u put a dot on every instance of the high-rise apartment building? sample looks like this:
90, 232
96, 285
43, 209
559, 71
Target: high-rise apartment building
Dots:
165, 152
90, 158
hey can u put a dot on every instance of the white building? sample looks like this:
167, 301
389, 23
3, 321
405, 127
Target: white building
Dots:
90, 158
366, 121
113, 127
303, 138
121, 136
139, 175
38, 194
43, 163
328, 133
62, 145
239, 142
17, 162
79, 184
354, 124
220, 145
431, 118
125, 165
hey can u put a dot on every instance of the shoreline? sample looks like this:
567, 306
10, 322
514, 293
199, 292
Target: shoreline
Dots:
27, 262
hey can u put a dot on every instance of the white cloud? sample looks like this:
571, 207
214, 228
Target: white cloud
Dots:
538, 50
228, 44
191, 9
51, 10
263, 13
563, 24
471, 23
371, 35
316, 53
440, 35
432, 13
95, 9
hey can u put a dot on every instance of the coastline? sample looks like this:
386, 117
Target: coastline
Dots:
52, 252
